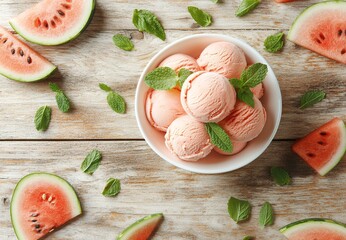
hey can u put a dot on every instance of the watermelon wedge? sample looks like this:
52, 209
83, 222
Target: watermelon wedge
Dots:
315, 229
323, 148
322, 29
54, 22
41, 203
143, 229
20, 62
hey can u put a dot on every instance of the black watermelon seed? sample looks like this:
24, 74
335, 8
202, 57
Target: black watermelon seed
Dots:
13, 51
29, 60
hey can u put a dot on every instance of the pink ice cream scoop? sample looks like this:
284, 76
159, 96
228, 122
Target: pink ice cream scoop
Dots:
237, 148
224, 58
188, 139
207, 96
163, 107
245, 123
179, 61
258, 91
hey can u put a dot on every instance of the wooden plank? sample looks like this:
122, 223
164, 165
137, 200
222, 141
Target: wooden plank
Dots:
195, 205
92, 59
115, 15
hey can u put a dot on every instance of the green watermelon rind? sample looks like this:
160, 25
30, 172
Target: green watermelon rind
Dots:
68, 38
309, 223
67, 186
44, 75
309, 10
133, 228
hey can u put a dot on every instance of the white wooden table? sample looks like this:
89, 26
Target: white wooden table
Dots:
195, 206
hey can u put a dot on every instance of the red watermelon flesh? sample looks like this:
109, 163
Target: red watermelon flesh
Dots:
284, 1
322, 29
20, 62
323, 148
42, 203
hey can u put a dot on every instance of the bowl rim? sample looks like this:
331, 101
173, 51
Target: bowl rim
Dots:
225, 38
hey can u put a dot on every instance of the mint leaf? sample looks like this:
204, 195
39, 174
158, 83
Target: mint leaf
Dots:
91, 162
280, 176
311, 97
54, 87
245, 95
203, 18
219, 137
248, 238
42, 118
146, 21
239, 210
274, 43
123, 42
62, 101
162, 78
266, 217
112, 187
215, 1
246, 6
236, 83
254, 75
116, 102
183, 75
105, 87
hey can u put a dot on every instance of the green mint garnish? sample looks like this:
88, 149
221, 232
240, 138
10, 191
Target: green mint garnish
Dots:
280, 176
250, 77
112, 187
162, 78
239, 210
203, 18
246, 6
274, 43
115, 101
219, 137
91, 162
61, 99
146, 21
311, 97
248, 238
183, 75
123, 42
215, 1
266, 217
42, 118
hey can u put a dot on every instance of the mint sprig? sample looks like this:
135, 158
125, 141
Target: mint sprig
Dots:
201, 17
250, 77
114, 100
239, 210
248, 238
165, 78
246, 6
219, 137
42, 118
112, 188
146, 21
266, 217
61, 99
123, 42
310, 98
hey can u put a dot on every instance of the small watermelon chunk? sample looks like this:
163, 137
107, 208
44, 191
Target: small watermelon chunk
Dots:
54, 22
20, 62
315, 229
41, 203
323, 148
322, 29
143, 229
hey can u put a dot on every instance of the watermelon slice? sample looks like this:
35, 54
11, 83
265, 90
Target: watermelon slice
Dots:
143, 229
315, 229
322, 29
20, 62
323, 148
42, 202
283, 1
54, 22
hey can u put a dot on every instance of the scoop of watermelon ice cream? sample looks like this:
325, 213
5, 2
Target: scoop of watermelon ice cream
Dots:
207, 96
258, 91
245, 123
224, 58
179, 61
188, 139
237, 148
163, 107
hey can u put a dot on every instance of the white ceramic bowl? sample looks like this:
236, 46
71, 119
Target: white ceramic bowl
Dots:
213, 163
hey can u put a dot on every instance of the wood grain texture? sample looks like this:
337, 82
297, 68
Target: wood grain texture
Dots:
195, 205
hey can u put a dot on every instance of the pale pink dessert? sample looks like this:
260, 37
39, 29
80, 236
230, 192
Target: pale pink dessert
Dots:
188, 139
224, 58
245, 123
163, 107
208, 96
258, 91
179, 61
237, 147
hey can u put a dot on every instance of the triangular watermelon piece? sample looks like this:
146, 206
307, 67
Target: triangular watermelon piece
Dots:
323, 148
322, 29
